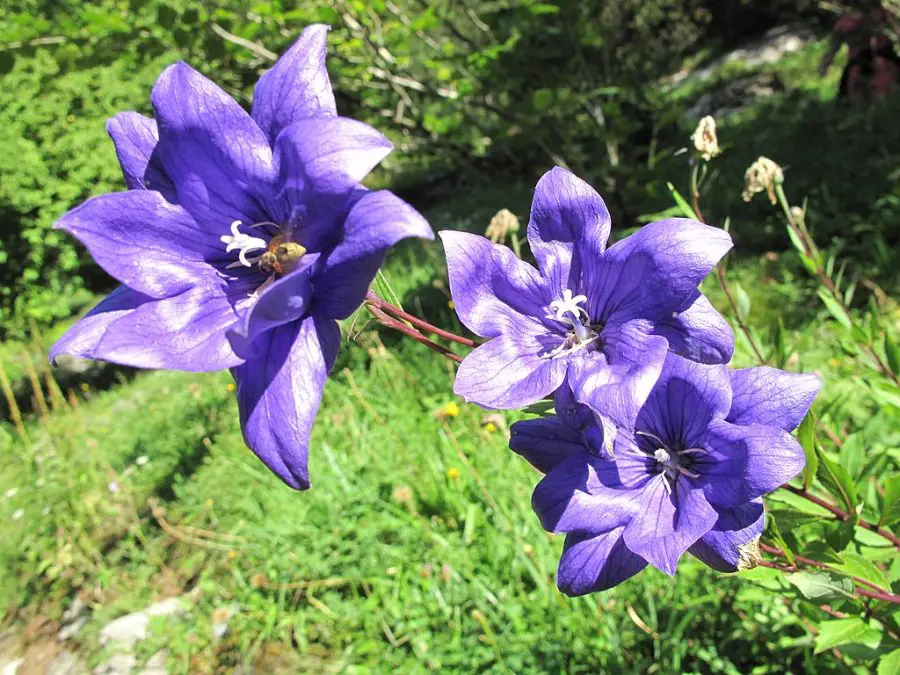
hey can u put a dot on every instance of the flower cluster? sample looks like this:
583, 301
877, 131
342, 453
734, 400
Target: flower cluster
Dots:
656, 448
241, 240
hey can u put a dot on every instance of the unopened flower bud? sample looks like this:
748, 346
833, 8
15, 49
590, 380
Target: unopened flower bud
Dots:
502, 224
704, 138
763, 175
798, 215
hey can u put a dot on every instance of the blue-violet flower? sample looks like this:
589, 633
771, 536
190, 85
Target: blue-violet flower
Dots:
242, 239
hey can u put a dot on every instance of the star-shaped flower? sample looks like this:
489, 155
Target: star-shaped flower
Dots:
242, 239
602, 318
706, 445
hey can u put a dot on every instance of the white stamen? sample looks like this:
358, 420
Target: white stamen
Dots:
243, 243
569, 305
661, 455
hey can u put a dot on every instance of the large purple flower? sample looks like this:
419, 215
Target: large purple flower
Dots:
707, 444
242, 239
603, 317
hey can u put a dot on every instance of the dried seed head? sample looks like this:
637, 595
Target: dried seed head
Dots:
763, 175
704, 138
502, 224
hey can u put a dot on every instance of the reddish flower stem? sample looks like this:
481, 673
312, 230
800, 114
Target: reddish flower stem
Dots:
393, 310
390, 322
843, 515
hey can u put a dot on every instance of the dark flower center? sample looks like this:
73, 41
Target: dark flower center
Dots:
670, 460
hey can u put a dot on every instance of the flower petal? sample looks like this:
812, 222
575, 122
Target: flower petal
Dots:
687, 397
698, 332
596, 562
770, 396
184, 332
616, 382
544, 442
493, 291
145, 242
568, 228
296, 87
135, 137
328, 155
584, 494
746, 462
666, 525
81, 339
509, 372
733, 542
375, 223
653, 272
217, 157
284, 301
279, 392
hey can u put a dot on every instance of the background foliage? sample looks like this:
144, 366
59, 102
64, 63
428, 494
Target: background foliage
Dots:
417, 548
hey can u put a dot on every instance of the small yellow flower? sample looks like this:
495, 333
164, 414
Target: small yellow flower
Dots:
447, 411
490, 427
453, 473
451, 304
230, 387
834, 363
232, 555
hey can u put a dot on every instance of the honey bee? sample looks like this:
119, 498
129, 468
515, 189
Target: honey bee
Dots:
281, 257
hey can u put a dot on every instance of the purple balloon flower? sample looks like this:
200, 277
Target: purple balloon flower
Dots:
602, 318
707, 444
242, 239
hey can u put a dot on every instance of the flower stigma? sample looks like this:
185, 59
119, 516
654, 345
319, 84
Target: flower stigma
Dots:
568, 311
244, 244
672, 463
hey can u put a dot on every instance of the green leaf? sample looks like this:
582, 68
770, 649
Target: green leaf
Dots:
806, 434
839, 534
742, 301
540, 408
386, 290
821, 586
835, 309
781, 355
852, 454
543, 8
843, 631
542, 98
686, 209
838, 482
892, 351
789, 519
890, 508
889, 664
859, 566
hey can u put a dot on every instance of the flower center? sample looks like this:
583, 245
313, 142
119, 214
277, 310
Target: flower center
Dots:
672, 462
244, 244
280, 255
568, 310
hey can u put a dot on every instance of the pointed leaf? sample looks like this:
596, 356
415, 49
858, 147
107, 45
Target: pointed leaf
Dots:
844, 631
821, 586
806, 434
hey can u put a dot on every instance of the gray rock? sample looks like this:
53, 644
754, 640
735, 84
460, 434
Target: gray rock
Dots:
118, 664
68, 631
126, 630
156, 665
74, 611
66, 663
168, 607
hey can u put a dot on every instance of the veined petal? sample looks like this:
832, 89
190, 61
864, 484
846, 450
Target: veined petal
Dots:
376, 222
698, 332
217, 157
770, 396
279, 392
596, 562
184, 332
584, 494
145, 242
653, 272
327, 155
492, 289
733, 542
296, 87
568, 228
746, 462
509, 372
284, 301
616, 382
687, 397
82, 338
544, 442
135, 137
668, 523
